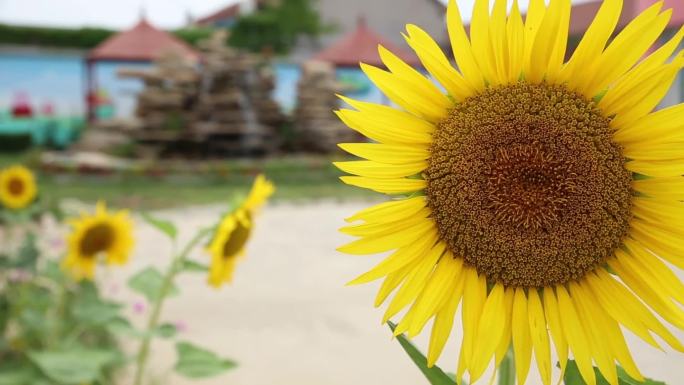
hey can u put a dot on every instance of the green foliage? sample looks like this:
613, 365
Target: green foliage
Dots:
165, 227
277, 28
195, 267
573, 377
83, 38
434, 374
195, 362
73, 366
149, 282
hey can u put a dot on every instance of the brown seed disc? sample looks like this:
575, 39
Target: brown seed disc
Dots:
526, 184
97, 239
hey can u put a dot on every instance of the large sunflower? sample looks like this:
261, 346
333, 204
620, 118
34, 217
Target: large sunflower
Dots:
227, 246
17, 187
103, 234
544, 196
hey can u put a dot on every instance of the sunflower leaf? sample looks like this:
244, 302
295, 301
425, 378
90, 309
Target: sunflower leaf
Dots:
434, 374
72, 366
165, 227
573, 377
149, 282
195, 362
194, 267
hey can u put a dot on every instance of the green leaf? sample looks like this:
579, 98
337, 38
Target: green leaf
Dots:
165, 227
165, 331
434, 374
573, 377
19, 375
92, 311
72, 366
195, 362
192, 266
121, 326
149, 282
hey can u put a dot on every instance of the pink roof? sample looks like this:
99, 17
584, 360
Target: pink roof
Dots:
229, 12
583, 14
361, 45
143, 42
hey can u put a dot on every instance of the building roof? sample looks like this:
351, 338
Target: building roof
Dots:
143, 42
228, 12
361, 45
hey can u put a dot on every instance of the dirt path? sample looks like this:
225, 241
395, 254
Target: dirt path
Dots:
288, 318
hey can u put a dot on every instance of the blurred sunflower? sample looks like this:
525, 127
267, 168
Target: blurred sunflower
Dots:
101, 234
17, 187
228, 244
545, 196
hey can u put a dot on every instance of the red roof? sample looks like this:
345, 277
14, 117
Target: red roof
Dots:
228, 12
361, 45
143, 42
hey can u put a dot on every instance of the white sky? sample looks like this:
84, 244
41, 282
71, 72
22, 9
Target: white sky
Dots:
119, 14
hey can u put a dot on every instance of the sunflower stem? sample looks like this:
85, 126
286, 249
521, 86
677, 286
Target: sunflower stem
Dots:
174, 268
507, 369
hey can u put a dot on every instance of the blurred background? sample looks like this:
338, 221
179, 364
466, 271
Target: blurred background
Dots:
172, 105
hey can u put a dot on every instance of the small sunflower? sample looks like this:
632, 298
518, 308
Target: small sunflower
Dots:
17, 187
103, 234
544, 196
228, 245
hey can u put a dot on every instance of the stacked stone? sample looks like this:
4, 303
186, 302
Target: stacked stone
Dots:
224, 108
316, 126
170, 91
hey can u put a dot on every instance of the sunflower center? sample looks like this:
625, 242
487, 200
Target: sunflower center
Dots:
16, 186
97, 239
236, 240
526, 185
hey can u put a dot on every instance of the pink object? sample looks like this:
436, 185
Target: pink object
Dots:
47, 109
361, 45
181, 326
21, 107
139, 307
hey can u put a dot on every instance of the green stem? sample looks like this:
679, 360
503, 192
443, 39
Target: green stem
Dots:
174, 268
507, 369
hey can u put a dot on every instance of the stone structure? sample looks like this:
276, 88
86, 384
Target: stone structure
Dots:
221, 108
316, 126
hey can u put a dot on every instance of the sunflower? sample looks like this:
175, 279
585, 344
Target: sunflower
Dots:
228, 244
541, 196
17, 187
101, 234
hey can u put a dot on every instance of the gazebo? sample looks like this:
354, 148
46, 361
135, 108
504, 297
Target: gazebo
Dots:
143, 43
361, 45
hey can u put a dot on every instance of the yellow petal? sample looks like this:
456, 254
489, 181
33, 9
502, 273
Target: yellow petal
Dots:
657, 168
416, 281
474, 297
661, 126
666, 244
575, 335
479, 36
548, 50
540, 336
407, 96
397, 260
444, 322
380, 170
376, 229
387, 153
386, 186
390, 241
515, 31
411, 76
460, 44
628, 47
654, 298
522, 340
653, 268
490, 331
533, 20
390, 211
592, 44
388, 125
437, 64
553, 318
654, 152
499, 42
443, 281
392, 281
506, 314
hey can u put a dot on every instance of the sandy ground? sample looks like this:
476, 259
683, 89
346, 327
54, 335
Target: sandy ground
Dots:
288, 318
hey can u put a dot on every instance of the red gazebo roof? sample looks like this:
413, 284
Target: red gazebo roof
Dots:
143, 42
361, 45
